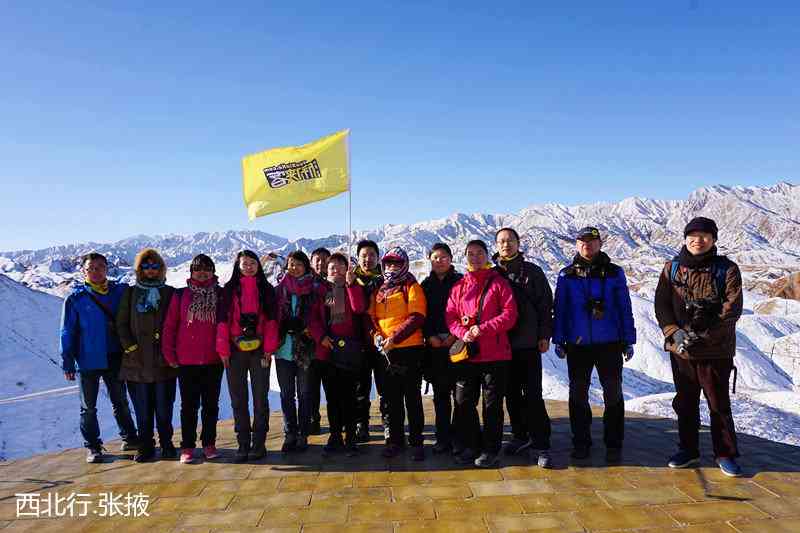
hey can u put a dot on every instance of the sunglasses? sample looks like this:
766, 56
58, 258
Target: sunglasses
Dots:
151, 266
202, 269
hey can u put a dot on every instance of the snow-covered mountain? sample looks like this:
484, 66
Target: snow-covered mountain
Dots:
759, 228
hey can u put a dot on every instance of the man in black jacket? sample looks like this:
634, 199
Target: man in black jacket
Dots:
530, 337
439, 370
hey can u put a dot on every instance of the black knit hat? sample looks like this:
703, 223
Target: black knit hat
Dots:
706, 225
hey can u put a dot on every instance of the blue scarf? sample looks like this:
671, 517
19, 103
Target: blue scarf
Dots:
150, 297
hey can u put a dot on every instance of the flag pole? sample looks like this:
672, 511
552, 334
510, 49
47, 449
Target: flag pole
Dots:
349, 203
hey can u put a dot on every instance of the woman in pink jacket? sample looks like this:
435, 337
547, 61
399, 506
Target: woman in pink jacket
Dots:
247, 335
480, 311
189, 344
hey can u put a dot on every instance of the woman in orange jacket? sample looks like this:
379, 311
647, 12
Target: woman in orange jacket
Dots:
397, 309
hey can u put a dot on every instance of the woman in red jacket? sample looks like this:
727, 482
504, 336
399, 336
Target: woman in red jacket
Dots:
247, 335
340, 354
189, 344
480, 311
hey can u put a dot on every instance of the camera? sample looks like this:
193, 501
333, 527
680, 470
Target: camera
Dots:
249, 323
596, 308
703, 313
691, 338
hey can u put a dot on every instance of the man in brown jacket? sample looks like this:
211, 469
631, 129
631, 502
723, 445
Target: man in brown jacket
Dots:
698, 301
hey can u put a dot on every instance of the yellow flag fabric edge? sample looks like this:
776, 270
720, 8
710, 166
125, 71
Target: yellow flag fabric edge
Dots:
300, 175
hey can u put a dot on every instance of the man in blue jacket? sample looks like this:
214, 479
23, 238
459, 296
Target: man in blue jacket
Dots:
89, 345
593, 327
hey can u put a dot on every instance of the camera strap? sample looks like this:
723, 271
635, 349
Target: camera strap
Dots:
481, 300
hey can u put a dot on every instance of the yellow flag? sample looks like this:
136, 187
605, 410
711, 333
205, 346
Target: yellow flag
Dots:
282, 178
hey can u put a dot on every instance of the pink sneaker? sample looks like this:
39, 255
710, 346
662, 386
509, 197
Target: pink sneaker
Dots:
187, 455
210, 452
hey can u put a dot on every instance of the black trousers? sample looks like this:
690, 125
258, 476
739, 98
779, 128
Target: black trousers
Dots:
200, 387
404, 395
316, 374
472, 380
607, 358
340, 391
243, 364
374, 363
712, 377
526, 409
442, 374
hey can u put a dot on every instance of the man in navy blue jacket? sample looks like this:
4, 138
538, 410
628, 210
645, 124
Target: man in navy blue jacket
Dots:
593, 327
89, 341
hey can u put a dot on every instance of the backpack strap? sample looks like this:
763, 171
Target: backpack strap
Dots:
103, 307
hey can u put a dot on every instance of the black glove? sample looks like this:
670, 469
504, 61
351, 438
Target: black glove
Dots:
679, 337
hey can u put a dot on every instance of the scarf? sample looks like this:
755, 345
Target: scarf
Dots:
685, 258
203, 306
394, 281
512, 265
365, 277
299, 286
471, 268
150, 296
335, 299
99, 289
595, 267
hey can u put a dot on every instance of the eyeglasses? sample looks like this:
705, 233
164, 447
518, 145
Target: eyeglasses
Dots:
151, 266
202, 269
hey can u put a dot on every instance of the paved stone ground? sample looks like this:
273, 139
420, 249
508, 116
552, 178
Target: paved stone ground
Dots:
310, 493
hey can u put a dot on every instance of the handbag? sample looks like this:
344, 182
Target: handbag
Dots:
460, 350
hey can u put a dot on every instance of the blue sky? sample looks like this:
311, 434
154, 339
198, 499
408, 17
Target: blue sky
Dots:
116, 120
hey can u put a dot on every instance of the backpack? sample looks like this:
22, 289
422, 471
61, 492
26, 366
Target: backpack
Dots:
719, 271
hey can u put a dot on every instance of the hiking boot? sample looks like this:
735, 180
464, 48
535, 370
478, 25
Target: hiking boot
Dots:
241, 455
130, 445
390, 451
362, 432
187, 456
684, 459
729, 466
466, 457
289, 443
302, 444
541, 458
168, 451
516, 446
210, 452
334, 443
94, 455
580, 452
613, 455
145, 455
256, 454
351, 449
314, 428
417, 453
440, 447
487, 460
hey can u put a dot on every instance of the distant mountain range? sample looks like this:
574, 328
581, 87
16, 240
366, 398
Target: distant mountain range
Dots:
759, 228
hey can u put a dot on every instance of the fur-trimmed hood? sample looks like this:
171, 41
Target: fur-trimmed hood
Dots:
153, 254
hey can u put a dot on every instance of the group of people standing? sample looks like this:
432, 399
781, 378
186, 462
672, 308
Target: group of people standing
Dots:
338, 324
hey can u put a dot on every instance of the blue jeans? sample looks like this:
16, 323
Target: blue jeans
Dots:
293, 382
89, 387
153, 402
